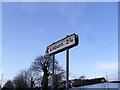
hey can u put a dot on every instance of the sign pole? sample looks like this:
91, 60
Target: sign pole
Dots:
67, 69
53, 62
64, 44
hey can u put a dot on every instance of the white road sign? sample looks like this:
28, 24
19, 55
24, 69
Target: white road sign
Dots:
61, 45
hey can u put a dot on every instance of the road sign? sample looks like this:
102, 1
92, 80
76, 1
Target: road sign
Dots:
63, 44
59, 46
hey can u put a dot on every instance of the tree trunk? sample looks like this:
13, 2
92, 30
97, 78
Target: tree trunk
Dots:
44, 82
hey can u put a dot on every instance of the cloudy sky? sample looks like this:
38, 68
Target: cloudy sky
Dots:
29, 27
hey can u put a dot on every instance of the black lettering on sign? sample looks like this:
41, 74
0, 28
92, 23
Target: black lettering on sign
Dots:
56, 46
69, 40
47, 50
50, 49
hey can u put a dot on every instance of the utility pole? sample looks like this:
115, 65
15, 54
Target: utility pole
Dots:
107, 81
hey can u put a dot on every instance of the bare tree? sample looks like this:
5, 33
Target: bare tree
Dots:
27, 79
44, 64
82, 77
21, 80
9, 85
0, 87
34, 78
38, 81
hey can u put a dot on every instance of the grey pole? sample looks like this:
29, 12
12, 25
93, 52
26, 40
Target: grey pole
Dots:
67, 69
53, 71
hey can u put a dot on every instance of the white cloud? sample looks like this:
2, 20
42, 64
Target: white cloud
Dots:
107, 65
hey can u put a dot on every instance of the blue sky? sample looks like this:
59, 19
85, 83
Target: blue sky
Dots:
28, 28
60, 0
0, 39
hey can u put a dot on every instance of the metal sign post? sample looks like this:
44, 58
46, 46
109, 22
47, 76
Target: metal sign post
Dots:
64, 44
53, 62
67, 69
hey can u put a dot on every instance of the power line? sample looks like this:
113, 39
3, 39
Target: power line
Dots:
99, 49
